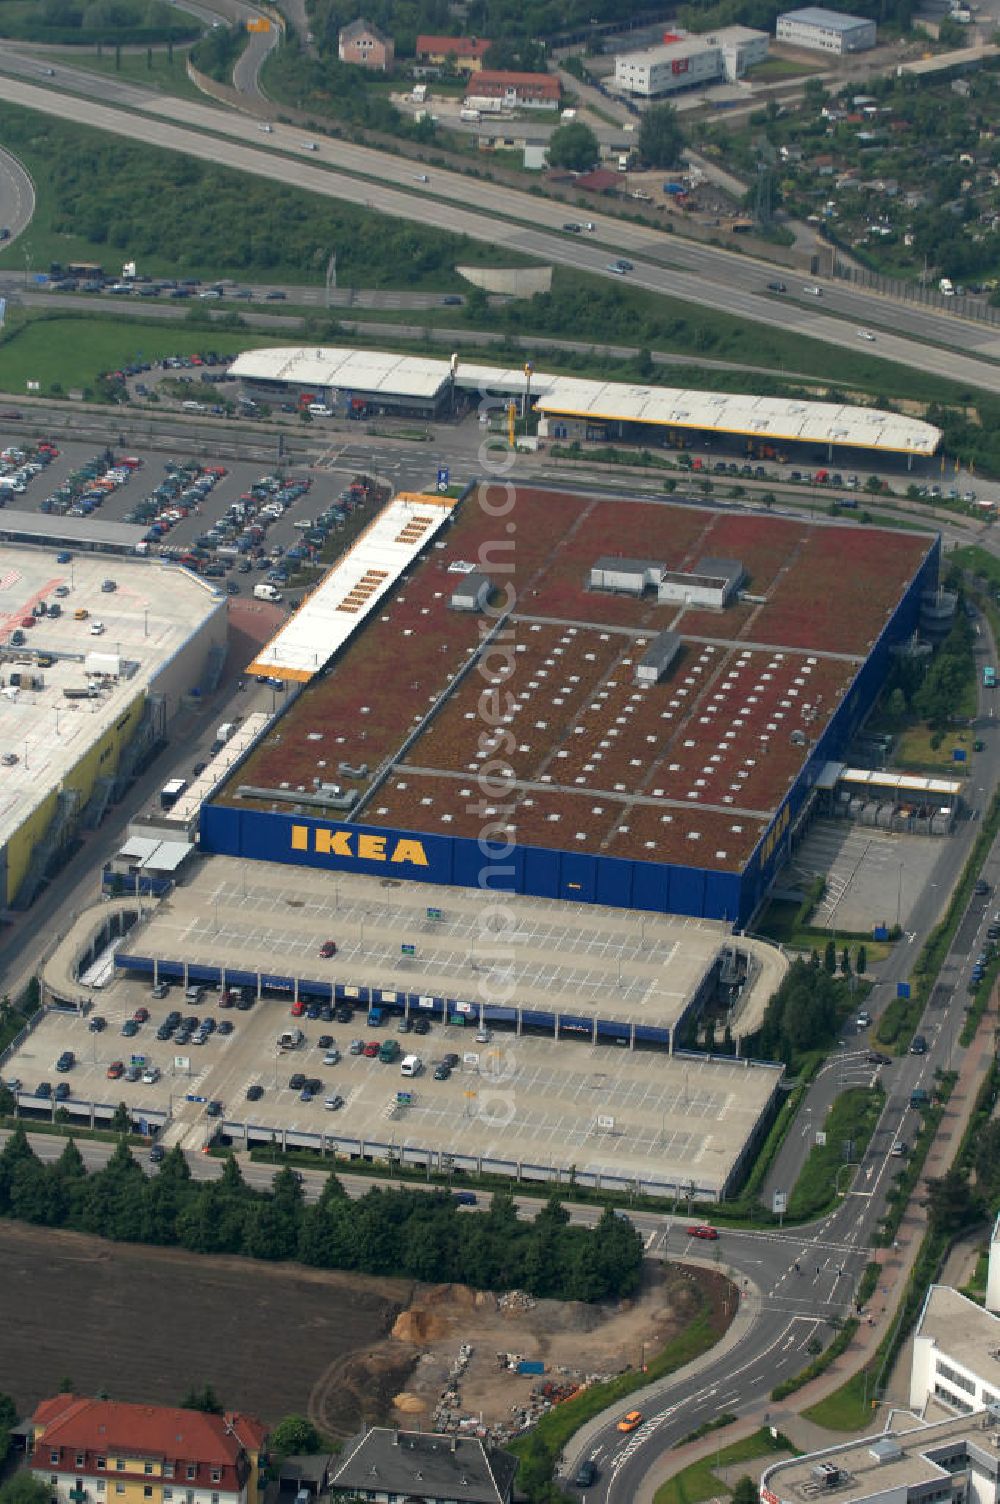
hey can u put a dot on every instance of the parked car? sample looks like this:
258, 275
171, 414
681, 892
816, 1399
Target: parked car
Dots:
66, 1061
115, 1070
328, 948
214, 1109
296, 1082
254, 1091
97, 1024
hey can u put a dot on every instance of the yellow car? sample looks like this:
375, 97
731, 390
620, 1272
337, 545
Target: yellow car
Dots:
630, 1421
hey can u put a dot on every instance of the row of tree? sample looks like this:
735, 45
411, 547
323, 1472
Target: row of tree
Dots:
416, 1233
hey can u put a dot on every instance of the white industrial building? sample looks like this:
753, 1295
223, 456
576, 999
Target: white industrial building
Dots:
115, 650
821, 30
956, 1346
691, 60
571, 407
955, 1461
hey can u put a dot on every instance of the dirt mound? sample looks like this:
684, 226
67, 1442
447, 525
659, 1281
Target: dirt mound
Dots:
457, 1297
419, 1325
409, 1404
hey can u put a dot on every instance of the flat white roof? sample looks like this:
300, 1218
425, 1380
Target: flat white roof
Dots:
758, 417
352, 589
185, 810
683, 47
910, 783
147, 620
830, 20
347, 370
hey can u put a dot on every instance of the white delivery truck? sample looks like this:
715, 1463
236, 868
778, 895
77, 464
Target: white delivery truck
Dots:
266, 592
225, 731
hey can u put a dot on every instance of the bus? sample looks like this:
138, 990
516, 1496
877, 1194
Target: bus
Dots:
989, 677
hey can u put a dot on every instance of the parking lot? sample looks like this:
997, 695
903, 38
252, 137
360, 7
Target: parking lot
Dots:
609, 1113
872, 877
260, 519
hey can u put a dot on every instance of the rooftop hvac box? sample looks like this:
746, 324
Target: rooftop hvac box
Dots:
103, 663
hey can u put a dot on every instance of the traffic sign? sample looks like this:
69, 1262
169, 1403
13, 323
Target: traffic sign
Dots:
408, 950
435, 914
442, 478
903, 989
779, 1203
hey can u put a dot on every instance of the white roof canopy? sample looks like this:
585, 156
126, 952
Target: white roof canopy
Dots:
352, 589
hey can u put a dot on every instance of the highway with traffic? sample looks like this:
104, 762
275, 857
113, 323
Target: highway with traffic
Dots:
965, 350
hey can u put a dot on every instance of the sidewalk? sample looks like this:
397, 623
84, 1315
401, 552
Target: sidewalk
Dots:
896, 1263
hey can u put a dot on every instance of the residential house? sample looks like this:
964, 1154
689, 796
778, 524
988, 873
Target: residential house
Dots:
367, 46
91, 1451
465, 54
491, 91
385, 1463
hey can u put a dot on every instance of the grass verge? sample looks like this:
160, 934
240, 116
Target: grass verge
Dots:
701, 1481
850, 1121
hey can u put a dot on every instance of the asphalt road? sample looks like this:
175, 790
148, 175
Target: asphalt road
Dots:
17, 196
669, 265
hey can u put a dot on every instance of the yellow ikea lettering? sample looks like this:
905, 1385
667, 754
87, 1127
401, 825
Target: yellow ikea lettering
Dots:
410, 851
370, 848
333, 843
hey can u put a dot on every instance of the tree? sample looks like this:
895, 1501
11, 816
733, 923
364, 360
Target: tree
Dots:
661, 139
845, 962
202, 1399
861, 963
987, 1161
573, 146
950, 1203
830, 958
8, 1419
121, 1121
24, 1488
293, 1436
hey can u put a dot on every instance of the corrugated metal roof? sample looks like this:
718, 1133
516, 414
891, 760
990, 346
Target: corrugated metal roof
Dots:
351, 590
765, 418
347, 370
759, 417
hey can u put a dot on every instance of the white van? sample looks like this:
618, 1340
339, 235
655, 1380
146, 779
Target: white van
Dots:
290, 1039
320, 410
946, 287
411, 1065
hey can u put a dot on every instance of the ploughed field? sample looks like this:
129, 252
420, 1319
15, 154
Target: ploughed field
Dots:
148, 1323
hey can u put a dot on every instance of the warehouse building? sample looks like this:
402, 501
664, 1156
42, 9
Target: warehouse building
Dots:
675, 789
820, 30
683, 62
97, 656
363, 383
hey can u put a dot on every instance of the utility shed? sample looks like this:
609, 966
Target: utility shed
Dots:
712, 582
473, 592
656, 660
628, 576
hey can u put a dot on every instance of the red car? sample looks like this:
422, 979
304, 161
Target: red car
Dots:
298, 1009
115, 1069
140, 1015
371, 1049
226, 1000
701, 1231
328, 948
